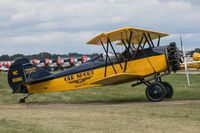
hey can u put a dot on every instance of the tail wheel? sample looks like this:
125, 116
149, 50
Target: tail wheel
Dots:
156, 92
169, 90
21, 101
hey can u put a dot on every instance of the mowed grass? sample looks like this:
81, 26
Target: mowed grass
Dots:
101, 119
35, 117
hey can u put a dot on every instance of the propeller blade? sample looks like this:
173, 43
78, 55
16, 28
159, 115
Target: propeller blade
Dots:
182, 47
186, 71
185, 61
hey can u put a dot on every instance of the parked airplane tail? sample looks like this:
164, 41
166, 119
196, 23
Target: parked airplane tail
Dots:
22, 71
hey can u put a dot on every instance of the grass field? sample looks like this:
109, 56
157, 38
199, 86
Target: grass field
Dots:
155, 118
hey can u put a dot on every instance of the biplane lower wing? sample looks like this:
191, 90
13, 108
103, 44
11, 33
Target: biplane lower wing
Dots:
117, 79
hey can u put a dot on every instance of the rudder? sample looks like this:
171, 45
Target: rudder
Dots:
22, 71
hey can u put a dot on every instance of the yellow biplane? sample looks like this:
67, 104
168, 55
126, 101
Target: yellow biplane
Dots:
195, 63
142, 58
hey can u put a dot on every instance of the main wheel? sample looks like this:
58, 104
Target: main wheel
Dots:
169, 89
156, 92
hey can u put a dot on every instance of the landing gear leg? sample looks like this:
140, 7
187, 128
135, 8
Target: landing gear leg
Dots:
158, 90
23, 100
156, 78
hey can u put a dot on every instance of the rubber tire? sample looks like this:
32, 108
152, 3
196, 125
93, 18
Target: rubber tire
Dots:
169, 89
149, 92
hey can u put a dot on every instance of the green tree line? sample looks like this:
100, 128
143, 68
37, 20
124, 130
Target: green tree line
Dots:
43, 55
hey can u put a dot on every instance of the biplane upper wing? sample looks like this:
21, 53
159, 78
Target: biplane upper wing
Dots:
124, 34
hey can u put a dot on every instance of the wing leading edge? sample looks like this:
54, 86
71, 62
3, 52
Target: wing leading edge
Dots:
124, 34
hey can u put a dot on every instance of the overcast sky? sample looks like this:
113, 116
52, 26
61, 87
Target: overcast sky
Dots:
63, 26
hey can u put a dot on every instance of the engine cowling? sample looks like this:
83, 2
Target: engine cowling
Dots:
46, 62
174, 57
36, 62
59, 62
72, 61
8, 64
84, 59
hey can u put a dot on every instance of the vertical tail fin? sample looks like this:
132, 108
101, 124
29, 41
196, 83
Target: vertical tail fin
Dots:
22, 71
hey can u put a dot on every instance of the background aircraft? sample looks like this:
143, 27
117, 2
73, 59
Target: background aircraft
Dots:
195, 63
4, 66
50, 64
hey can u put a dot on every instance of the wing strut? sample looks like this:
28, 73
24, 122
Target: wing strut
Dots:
151, 40
115, 53
134, 52
127, 49
128, 54
158, 44
107, 57
146, 54
144, 44
138, 47
129, 41
147, 40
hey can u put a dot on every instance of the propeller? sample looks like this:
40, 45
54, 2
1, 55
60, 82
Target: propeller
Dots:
185, 61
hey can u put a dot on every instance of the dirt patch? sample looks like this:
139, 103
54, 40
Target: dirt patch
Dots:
189, 72
114, 104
